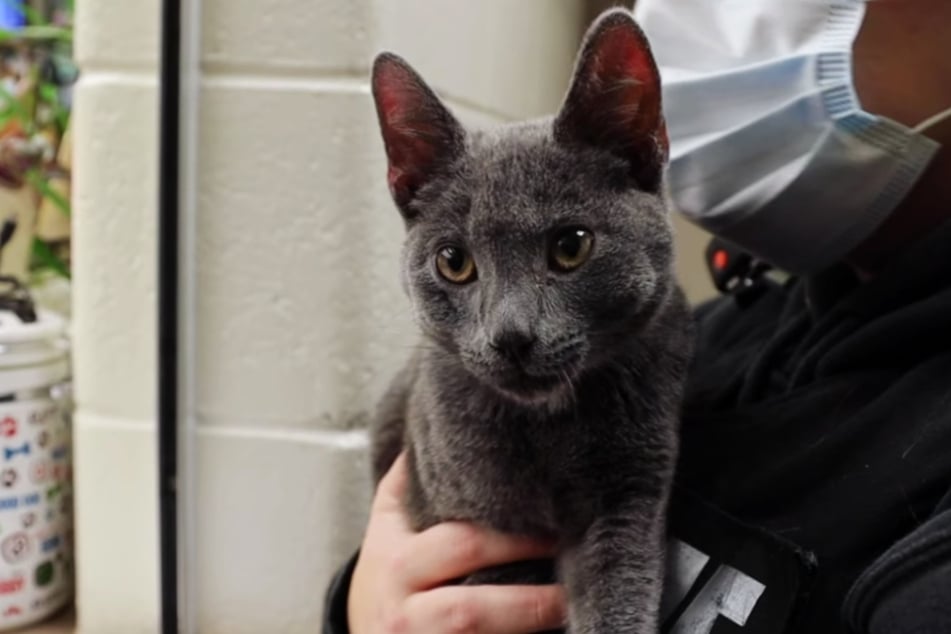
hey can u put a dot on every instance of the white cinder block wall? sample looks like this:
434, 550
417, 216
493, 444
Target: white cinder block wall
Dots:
300, 321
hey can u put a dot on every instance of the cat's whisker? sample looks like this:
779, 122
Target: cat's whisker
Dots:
572, 392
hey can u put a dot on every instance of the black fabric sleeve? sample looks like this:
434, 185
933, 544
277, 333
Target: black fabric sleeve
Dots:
335, 601
908, 589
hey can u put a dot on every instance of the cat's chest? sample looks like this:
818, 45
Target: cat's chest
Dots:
507, 473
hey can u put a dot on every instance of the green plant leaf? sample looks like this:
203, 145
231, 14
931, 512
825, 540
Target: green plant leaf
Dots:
48, 92
36, 179
37, 33
33, 17
16, 106
44, 32
7, 113
62, 118
44, 255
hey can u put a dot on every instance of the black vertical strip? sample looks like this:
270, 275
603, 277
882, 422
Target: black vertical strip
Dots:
168, 223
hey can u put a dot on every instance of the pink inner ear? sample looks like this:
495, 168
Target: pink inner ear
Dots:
411, 141
614, 102
391, 93
396, 181
628, 82
622, 55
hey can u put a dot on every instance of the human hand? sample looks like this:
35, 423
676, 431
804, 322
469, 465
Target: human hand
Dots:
399, 583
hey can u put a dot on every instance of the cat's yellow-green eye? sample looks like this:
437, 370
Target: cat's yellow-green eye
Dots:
570, 249
456, 265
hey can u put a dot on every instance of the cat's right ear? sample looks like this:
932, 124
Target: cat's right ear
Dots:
421, 136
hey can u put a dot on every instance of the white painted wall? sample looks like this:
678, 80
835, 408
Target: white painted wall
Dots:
114, 198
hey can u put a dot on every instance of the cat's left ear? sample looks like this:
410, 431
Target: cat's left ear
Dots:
614, 102
421, 136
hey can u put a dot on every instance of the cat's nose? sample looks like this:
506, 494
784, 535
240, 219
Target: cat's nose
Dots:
514, 344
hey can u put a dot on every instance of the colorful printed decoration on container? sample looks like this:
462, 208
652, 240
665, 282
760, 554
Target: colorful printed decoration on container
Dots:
9, 452
12, 585
39, 471
39, 417
15, 548
44, 574
8, 426
50, 543
30, 499
28, 519
8, 477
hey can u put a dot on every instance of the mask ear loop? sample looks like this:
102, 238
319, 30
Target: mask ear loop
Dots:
932, 121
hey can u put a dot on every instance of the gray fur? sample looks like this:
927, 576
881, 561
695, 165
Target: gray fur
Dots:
584, 455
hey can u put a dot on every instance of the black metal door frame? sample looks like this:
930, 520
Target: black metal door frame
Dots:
168, 311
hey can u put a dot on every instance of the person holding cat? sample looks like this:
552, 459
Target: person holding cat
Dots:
813, 487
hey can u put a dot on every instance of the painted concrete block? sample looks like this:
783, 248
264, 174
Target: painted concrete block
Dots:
114, 198
279, 512
116, 525
301, 320
284, 36
117, 35
512, 58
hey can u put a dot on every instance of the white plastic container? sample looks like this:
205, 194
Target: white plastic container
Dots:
36, 527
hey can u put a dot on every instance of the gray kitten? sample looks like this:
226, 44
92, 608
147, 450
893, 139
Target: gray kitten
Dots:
538, 260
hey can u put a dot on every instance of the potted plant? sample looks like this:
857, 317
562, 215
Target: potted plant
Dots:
36, 75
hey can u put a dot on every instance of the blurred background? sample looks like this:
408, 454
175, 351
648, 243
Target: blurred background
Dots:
295, 321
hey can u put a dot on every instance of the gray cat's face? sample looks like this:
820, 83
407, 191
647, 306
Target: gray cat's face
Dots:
531, 260
533, 250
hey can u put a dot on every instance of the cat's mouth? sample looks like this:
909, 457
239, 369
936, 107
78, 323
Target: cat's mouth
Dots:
532, 388
540, 380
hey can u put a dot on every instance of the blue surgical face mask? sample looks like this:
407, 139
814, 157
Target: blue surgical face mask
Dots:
770, 148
